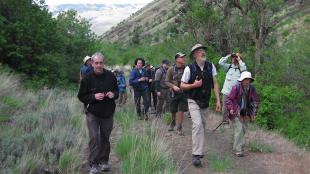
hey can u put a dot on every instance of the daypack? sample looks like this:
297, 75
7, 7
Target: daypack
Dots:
230, 66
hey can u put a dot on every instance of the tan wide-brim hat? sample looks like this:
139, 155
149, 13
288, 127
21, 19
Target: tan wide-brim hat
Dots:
196, 47
245, 75
86, 58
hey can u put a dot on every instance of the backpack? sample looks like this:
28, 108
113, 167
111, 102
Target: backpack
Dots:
230, 66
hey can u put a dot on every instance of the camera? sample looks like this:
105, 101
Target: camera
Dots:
234, 55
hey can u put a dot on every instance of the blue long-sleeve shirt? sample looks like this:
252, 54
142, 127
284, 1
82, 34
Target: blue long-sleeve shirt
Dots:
134, 77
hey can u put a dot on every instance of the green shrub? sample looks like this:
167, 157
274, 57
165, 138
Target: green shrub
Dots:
141, 150
67, 161
167, 118
11, 102
126, 144
218, 164
30, 164
258, 146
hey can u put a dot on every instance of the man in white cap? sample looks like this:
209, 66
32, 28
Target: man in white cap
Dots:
87, 67
242, 104
198, 79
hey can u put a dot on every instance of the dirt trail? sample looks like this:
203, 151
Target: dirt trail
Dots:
284, 158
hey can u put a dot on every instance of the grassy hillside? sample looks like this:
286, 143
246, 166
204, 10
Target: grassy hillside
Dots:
40, 131
45, 132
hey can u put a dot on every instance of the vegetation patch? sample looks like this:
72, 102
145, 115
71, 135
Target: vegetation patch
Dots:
167, 118
141, 149
219, 164
258, 146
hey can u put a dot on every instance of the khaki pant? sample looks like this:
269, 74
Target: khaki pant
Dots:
239, 132
224, 109
198, 117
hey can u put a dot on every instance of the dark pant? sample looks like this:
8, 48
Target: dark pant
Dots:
163, 104
178, 103
99, 130
122, 97
146, 103
153, 97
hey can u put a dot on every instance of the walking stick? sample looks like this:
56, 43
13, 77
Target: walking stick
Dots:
218, 126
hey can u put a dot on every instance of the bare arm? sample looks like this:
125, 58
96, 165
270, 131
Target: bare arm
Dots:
186, 86
217, 94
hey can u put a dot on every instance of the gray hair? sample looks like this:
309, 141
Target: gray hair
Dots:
97, 54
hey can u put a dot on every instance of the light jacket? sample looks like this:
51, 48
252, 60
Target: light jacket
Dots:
233, 101
232, 74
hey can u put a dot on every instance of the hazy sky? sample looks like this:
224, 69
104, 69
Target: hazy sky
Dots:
102, 20
58, 2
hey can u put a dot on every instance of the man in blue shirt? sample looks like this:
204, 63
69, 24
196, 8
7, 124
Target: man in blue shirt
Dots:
138, 79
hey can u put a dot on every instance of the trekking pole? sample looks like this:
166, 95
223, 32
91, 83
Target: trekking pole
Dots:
218, 126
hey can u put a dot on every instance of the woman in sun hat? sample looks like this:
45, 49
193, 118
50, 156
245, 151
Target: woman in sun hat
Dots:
242, 104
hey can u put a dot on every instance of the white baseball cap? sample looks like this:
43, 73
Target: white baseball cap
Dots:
86, 58
245, 75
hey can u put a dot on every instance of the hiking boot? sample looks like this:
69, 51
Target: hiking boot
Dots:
94, 170
146, 117
171, 127
105, 167
180, 131
239, 154
196, 160
172, 124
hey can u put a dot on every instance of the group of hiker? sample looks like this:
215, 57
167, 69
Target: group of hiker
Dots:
176, 88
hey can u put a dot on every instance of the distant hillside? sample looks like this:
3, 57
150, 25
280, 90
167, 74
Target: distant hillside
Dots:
151, 19
101, 16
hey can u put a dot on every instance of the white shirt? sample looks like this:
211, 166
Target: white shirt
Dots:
187, 73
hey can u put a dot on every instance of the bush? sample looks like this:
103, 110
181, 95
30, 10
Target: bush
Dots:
257, 146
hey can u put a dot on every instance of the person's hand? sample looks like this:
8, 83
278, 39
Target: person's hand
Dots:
231, 112
197, 83
176, 89
238, 57
110, 94
158, 94
99, 96
141, 79
218, 106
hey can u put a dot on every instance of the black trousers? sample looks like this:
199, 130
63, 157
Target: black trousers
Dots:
153, 98
146, 103
99, 130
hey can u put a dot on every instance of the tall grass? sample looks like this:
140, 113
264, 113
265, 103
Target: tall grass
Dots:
141, 147
220, 164
43, 130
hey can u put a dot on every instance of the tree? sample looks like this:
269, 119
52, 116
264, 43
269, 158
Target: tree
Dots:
258, 21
